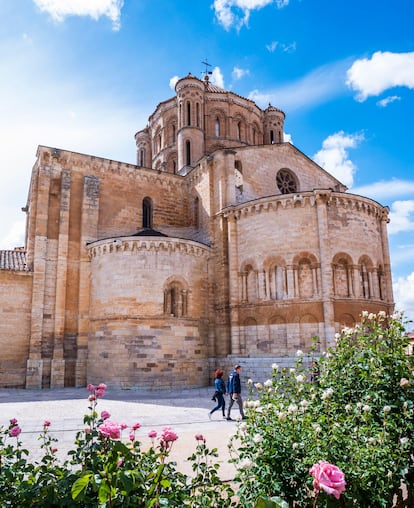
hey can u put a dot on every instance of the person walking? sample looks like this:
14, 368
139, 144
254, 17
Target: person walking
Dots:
220, 388
234, 390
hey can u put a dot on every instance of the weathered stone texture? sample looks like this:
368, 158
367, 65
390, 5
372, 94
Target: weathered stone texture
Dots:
222, 243
15, 309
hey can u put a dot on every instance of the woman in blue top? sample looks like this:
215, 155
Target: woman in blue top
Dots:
220, 387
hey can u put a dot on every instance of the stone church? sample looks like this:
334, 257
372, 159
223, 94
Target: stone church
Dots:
223, 243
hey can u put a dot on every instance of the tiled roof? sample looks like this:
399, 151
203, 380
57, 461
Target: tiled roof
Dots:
210, 87
13, 260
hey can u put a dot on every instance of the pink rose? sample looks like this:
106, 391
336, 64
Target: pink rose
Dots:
105, 415
15, 431
136, 426
168, 435
328, 477
13, 421
200, 437
46, 423
110, 429
90, 388
152, 434
100, 390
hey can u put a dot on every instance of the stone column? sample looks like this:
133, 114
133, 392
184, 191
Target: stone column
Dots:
315, 281
88, 233
357, 281
34, 371
261, 285
388, 294
233, 285
322, 198
296, 282
243, 279
57, 377
229, 184
349, 281
290, 282
375, 283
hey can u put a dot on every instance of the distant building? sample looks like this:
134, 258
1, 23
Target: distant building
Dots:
223, 243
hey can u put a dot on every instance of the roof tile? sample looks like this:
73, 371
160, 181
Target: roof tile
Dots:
13, 260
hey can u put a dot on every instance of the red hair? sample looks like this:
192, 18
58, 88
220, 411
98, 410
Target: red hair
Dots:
218, 373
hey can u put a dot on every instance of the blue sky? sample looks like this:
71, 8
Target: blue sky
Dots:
84, 75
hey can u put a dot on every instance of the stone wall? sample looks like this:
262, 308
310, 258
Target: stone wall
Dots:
149, 312
15, 295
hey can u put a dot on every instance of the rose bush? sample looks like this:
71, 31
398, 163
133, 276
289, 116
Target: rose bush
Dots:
106, 470
356, 413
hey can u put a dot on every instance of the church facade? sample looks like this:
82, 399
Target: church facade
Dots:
222, 243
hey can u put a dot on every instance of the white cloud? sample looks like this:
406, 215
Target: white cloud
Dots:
334, 156
383, 103
173, 82
237, 12
401, 216
272, 46
217, 77
239, 73
68, 114
404, 297
60, 9
315, 88
289, 47
14, 236
287, 138
382, 71
388, 189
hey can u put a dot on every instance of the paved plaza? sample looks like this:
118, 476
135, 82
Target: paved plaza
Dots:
186, 411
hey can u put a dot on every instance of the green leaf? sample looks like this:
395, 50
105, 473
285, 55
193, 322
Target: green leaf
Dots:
104, 491
270, 502
79, 487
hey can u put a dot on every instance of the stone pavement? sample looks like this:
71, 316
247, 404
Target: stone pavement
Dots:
186, 411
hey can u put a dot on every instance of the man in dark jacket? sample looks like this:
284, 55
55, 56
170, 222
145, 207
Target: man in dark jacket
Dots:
234, 390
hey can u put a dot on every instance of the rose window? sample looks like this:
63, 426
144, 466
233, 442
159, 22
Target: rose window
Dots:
286, 182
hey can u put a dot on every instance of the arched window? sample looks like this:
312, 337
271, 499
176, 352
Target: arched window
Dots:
217, 127
174, 166
188, 152
272, 137
173, 133
238, 175
141, 161
198, 114
305, 279
175, 300
147, 213
239, 131
188, 113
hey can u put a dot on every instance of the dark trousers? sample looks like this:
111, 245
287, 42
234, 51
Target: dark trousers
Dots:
221, 403
239, 401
